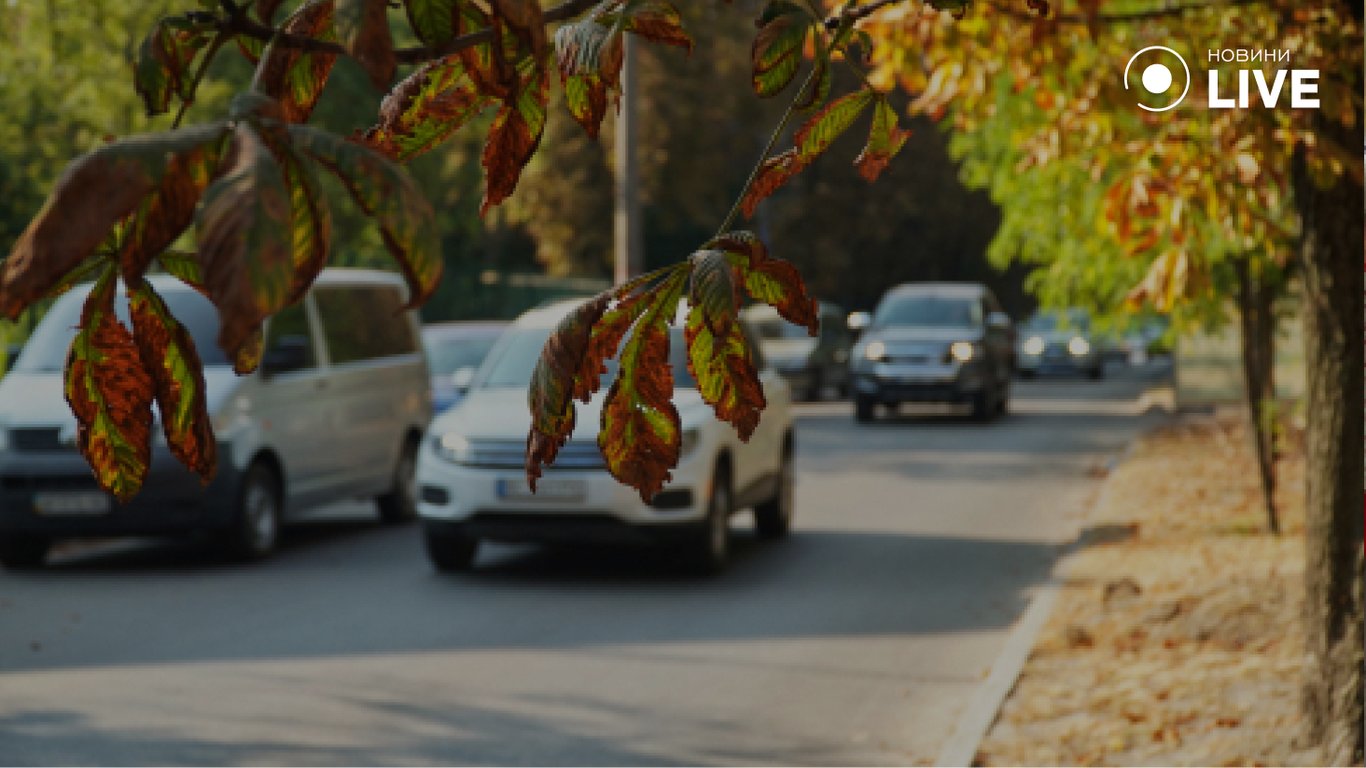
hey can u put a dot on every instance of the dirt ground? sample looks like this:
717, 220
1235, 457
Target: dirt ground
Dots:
1176, 639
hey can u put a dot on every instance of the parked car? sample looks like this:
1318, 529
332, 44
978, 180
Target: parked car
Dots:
454, 352
472, 482
335, 410
935, 342
810, 365
1060, 342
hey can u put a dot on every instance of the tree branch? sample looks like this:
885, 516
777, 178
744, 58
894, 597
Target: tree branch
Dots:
248, 27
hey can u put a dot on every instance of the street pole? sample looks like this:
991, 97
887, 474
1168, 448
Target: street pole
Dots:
629, 247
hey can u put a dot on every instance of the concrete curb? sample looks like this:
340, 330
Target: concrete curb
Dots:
980, 714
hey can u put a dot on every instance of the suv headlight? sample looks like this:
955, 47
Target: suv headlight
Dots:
1034, 346
875, 351
452, 447
962, 351
1078, 346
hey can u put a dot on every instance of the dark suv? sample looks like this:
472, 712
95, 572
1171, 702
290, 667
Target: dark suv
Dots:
935, 342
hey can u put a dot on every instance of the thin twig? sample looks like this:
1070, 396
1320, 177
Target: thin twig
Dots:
185, 102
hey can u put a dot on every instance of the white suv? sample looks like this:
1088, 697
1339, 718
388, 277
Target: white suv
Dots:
472, 483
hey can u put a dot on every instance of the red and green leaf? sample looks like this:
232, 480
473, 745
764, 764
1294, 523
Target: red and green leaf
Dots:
248, 356
551, 394
168, 354
311, 222
885, 139
526, 19
657, 21
725, 374
363, 29
388, 194
95, 193
296, 77
714, 291
514, 137
777, 50
589, 55
817, 134
164, 60
111, 396
773, 173
185, 267
425, 108
433, 21
641, 433
245, 243
772, 281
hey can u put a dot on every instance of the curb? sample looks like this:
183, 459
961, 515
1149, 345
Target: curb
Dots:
982, 710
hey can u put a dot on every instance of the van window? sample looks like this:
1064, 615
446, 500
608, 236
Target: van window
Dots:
47, 348
291, 323
364, 323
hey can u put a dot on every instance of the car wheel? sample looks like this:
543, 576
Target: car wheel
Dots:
982, 407
864, 409
399, 505
20, 550
449, 551
1026, 373
773, 518
1098, 372
711, 545
256, 527
1003, 403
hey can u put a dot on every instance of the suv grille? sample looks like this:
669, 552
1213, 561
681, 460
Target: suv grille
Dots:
511, 454
36, 439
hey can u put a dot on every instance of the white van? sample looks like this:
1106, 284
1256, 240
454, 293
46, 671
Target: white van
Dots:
336, 410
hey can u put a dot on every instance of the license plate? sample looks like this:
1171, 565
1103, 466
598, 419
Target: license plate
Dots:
71, 503
547, 489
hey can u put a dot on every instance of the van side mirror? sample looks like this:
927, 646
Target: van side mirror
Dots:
288, 353
463, 378
999, 321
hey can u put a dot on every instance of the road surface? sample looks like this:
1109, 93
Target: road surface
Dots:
859, 641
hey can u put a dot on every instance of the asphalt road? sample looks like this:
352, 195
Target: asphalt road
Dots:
858, 641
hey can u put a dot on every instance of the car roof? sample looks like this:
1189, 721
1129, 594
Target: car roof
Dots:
946, 290
464, 329
550, 315
329, 276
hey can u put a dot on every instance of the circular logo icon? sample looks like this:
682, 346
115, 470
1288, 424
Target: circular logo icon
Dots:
1156, 78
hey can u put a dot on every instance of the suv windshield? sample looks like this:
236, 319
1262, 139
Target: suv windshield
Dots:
1047, 322
446, 356
47, 348
936, 311
512, 361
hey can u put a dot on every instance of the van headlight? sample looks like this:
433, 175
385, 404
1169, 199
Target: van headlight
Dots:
875, 351
1034, 346
962, 351
1079, 347
452, 447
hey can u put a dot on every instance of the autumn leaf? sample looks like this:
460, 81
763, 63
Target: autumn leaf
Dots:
244, 228
714, 292
772, 281
514, 137
185, 267
724, 371
96, 192
248, 356
525, 17
311, 222
111, 396
589, 55
389, 195
777, 49
293, 76
168, 354
433, 21
550, 396
885, 140
773, 173
657, 21
641, 433
363, 28
425, 108
812, 139
164, 59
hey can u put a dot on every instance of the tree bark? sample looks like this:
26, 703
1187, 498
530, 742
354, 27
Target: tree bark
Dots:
1331, 252
1256, 312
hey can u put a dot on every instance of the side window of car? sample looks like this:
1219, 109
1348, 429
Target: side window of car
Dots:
364, 323
289, 327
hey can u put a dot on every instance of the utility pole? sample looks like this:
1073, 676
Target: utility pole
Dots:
628, 242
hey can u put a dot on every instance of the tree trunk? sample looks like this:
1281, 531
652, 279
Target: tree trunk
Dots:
1256, 311
1331, 252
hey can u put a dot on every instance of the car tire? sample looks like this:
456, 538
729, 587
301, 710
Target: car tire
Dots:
1097, 373
1027, 373
399, 505
710, 547
22, 550
982, 406
1003, 402
864, 409
255, 529
773, 518
449, 552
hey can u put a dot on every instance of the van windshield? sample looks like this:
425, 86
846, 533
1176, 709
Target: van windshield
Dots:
46, 349
513, 360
